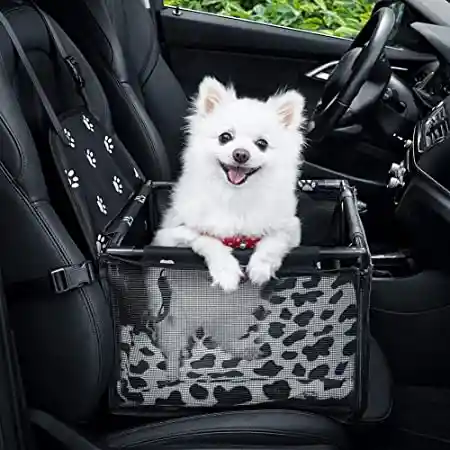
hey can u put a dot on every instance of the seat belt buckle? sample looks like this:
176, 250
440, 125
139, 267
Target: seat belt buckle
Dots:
75, 70
68, 278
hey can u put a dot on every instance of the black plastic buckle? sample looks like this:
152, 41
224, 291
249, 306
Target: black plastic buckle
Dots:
75, 70
68, 278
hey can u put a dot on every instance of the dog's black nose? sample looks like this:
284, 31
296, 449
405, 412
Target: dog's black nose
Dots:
241, 155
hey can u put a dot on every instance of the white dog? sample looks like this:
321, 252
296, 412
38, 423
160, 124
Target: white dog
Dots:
237, 187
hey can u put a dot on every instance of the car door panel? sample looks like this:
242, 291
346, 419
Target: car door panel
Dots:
253, 75
259, 58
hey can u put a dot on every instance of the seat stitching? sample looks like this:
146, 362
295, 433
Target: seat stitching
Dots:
313, 437
157, 156
59, 247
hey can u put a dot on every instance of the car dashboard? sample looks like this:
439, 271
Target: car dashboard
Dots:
422, 181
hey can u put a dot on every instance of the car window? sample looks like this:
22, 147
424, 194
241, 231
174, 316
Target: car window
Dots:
343, 18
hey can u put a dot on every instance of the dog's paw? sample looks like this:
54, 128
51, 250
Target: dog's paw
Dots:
174, 237
226, 273
261, 269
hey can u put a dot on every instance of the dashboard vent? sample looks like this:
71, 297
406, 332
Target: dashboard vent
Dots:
437, 127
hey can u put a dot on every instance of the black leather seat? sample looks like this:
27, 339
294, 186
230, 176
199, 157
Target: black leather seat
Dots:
273, 429
140, 86
66, 341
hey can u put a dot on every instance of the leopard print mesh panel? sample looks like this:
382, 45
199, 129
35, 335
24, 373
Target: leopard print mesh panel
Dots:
294, 339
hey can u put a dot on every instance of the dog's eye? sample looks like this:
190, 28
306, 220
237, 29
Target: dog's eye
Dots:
225, 137
261, 144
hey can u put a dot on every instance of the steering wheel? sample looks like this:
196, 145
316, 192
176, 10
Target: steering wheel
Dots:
358, 80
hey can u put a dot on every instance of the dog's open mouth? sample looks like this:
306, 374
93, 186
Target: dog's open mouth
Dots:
238, 175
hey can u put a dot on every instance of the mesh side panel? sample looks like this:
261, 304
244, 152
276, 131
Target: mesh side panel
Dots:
295, 339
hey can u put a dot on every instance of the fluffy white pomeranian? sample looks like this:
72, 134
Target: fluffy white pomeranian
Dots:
237, 190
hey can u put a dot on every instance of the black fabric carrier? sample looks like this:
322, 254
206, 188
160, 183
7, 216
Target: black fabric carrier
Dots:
299, 341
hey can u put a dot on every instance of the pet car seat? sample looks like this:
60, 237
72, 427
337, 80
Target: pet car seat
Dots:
126, 44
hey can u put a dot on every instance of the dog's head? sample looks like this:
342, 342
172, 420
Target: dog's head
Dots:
244, 139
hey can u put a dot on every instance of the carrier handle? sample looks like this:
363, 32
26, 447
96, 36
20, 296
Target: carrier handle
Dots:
177, 257
130, 213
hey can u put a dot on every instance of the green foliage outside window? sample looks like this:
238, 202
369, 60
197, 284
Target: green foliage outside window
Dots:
342, 18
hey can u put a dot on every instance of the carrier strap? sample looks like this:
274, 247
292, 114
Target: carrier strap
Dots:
56, 124
166, 297
69, 60
54, 121
70, 63
58, 281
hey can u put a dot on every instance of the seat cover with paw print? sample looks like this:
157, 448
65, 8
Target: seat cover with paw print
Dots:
98, 173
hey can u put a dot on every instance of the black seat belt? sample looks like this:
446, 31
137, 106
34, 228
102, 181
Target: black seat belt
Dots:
67, 278
34, 79
71, 439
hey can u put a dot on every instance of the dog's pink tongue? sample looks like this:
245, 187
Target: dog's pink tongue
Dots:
236, 175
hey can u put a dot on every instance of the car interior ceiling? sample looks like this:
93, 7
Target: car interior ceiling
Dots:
378, 112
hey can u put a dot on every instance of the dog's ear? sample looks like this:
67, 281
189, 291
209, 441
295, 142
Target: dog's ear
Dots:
289, 107
212, 93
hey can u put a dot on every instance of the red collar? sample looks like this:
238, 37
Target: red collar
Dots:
238, 242
241, 242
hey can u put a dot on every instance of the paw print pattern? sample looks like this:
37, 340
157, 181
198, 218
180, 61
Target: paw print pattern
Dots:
136, 173
307, 185
117, 185
91, 158
87, 123
69, 137
128, 220
72, 178
101, 205
101, 243
108, 144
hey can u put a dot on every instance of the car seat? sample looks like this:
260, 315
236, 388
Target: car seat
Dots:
119, 39
65, 340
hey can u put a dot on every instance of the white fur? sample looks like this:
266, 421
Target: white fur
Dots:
206, 206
